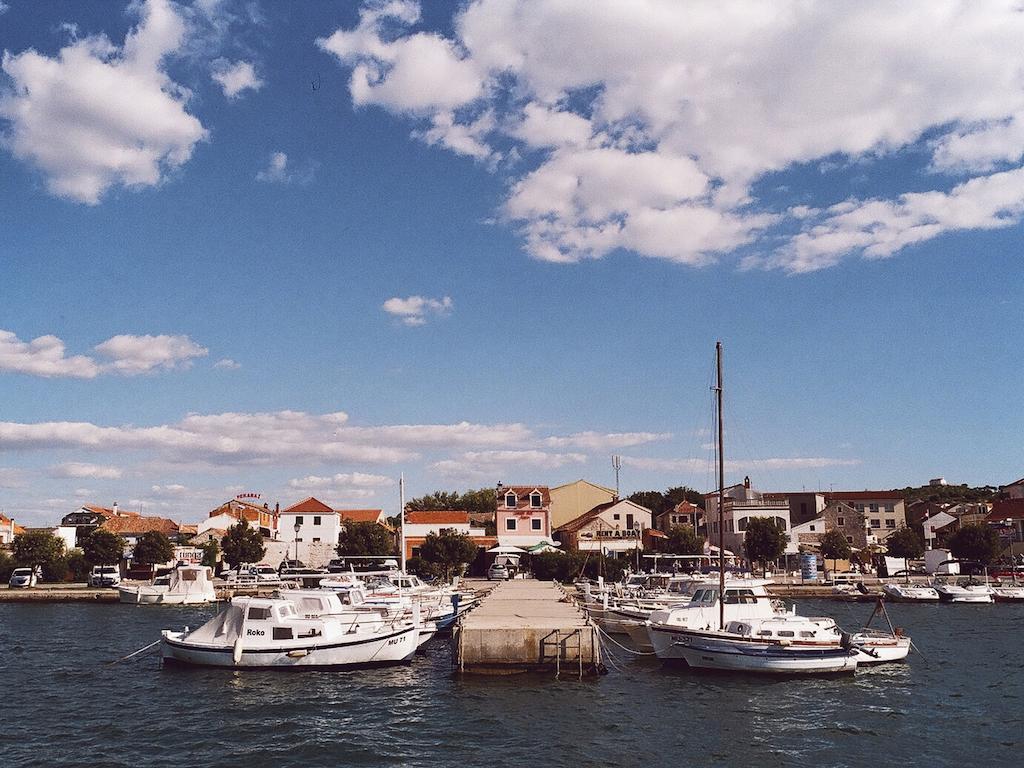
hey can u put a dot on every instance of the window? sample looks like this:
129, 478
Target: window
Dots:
803, 508
316, 540
537, 524
890, 522
615, 516
876, 523
510, 524
841, 522
510, 500
742, 524
849, 539
812, 526
282, 633
873, 508
786, 633
629, 519
298, 539
535, 500
316, 520
298, 520
258, 614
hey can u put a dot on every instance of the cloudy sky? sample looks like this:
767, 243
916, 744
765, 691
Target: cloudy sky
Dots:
297, 249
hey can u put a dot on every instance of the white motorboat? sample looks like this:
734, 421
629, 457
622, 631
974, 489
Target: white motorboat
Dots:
1008, 593
329, 602
910, 593
760, 634
254, 633
963, 591
880, 647
185, 585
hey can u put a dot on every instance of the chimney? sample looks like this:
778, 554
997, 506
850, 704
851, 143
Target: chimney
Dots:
115, 509
746, 482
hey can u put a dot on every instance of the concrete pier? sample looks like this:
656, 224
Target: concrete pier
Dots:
523, 626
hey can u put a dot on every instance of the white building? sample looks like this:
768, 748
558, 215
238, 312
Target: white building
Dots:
933, 524
614, 527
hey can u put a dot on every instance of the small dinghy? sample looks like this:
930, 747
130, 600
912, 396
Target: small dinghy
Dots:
255, 633
185, 585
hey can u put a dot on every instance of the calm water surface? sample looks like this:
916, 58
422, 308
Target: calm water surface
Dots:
63, 704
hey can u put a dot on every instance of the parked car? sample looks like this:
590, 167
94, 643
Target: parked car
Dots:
498, 571
252, 574
104, 576
25, 577
290, 565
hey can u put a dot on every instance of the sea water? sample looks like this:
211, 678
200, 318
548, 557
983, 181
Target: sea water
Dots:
64, 703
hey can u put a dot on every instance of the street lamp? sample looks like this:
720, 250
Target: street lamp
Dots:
297, 527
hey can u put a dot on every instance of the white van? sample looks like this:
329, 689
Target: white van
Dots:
104, 576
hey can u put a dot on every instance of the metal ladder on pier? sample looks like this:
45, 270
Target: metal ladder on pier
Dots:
560, 640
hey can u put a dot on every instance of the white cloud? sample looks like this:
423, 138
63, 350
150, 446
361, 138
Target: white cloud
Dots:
227, 364
597, 442
4, 7
648, 130
341, 480
43, 356
171, 489
92, 471
415, 310
473, 465
880, 228
419, 73
132, 355
11, 478
126, 355
282, 437
234, 78
97, 115
278, 171
735, 465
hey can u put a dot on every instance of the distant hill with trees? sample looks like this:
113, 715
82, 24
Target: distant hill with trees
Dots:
955, 494
662, 501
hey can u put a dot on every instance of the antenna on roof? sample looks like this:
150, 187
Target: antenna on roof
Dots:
616, 465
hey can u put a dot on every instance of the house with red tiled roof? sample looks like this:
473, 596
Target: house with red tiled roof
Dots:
9, 529
1014, 490
420, 524
315, 527
615, 527
259, 516
363, 516
523, 515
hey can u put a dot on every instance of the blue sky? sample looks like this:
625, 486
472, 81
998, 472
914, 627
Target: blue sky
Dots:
501, 239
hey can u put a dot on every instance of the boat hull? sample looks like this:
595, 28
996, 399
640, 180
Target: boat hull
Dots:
390, 648
881, 651
150, 596
910, 594
714, 651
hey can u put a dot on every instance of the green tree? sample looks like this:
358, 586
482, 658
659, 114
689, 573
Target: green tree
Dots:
977, 541
683, 540
211, 551
435, 500
448, 551
102, 547
834, 546
153, 548
764, 541
365, 538
906, 543
242, 544
653, 500
680, 493
40, 548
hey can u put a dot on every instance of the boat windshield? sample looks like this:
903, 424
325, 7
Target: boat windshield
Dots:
705, 596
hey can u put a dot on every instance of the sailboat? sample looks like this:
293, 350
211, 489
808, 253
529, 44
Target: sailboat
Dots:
737, 626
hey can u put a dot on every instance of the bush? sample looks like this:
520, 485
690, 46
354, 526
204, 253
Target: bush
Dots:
417, 566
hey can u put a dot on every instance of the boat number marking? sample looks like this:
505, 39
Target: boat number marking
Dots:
396, 640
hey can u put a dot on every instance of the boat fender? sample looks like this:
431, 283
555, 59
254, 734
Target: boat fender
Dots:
236, 653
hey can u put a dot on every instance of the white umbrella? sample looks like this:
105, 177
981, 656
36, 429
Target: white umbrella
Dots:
507, 550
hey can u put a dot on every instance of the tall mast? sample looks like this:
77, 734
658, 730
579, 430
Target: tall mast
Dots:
401, 515
721, 494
